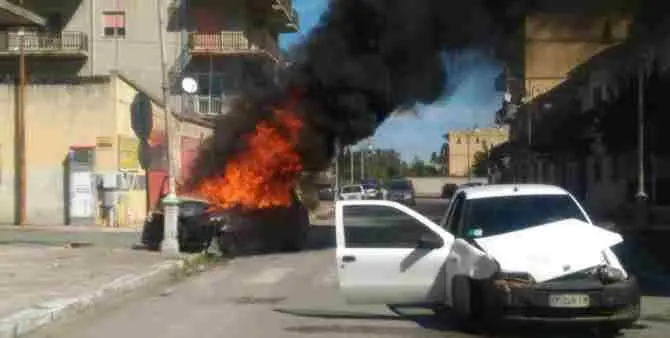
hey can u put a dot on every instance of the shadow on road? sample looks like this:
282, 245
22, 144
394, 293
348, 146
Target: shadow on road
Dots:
650, 268
432, 324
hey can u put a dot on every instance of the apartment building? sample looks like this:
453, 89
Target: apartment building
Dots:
464, 144
226, 45
91, 104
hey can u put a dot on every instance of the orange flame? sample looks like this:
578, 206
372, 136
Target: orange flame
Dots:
264, 175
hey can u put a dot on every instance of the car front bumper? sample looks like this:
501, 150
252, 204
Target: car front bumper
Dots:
617, 303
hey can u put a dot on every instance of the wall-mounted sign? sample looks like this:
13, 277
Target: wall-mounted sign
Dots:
128, 153
104, 142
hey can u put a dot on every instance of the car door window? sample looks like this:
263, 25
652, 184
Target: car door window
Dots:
376, 226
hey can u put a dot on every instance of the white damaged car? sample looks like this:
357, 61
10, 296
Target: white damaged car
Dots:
502, 252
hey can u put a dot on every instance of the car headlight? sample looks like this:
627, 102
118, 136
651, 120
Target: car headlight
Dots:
408, 196
610, 274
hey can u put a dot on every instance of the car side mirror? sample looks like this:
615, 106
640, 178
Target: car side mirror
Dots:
429, 242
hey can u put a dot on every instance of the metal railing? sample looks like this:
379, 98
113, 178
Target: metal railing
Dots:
44, 43
209, 105
234, 42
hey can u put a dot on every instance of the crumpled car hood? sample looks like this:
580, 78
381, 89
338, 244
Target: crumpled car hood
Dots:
551, 250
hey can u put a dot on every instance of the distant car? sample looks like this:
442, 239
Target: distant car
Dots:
471, 184
372, 188
401, 191
195, 228
327, 194
352, 192
448, 190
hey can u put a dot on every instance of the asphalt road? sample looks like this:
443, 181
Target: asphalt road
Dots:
295, 295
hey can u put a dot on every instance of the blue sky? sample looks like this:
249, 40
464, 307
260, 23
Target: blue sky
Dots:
470, 98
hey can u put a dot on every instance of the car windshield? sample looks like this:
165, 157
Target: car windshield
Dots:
400, 185
350, 189
493, 216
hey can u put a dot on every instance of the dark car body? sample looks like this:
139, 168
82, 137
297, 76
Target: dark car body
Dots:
266, 230
402, 191
195, 227
236, 231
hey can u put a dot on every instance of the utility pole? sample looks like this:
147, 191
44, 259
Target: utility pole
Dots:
336, 193
641, 196
351, 164
362, 163
21, 132
170, 244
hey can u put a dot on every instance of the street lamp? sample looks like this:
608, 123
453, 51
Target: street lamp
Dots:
170, 243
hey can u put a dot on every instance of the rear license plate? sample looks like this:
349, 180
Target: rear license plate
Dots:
569, 301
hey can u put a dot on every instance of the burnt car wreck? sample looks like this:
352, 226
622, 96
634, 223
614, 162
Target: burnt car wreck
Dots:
235, 231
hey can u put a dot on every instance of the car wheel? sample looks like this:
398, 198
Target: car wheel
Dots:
228, 245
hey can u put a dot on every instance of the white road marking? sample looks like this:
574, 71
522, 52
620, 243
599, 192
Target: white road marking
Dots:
270, 276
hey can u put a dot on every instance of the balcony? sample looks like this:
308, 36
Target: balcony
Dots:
240, 43
64, 44
206, 105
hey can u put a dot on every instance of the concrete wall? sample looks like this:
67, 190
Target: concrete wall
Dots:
56, 117
432, 186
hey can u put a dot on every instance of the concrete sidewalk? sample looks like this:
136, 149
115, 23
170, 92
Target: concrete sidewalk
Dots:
48, 274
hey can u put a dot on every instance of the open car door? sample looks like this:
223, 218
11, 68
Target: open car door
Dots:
388, 253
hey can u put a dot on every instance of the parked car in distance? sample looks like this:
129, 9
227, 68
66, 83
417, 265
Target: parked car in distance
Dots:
402, 191
352, 192
372, 188
327, 194
501, 253
448, 190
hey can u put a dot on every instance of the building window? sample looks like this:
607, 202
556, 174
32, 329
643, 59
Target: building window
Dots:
114, 24
458, 140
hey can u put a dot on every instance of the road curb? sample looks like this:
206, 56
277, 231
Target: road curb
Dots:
40, 315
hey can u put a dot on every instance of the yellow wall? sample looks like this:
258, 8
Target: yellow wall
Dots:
56, 116
464, 144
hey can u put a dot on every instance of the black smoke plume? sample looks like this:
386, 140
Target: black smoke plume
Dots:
365, 59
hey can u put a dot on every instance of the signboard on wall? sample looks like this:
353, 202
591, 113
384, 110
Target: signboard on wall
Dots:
128, 153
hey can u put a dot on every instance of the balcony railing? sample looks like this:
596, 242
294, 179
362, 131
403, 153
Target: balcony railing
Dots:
235, 43
208, 105
39, 43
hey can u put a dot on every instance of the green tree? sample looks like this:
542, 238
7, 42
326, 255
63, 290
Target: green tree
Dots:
480, 163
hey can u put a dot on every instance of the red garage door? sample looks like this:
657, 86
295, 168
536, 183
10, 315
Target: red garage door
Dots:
189, 151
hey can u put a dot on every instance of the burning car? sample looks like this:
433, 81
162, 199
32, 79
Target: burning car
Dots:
502, 252
236, 231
